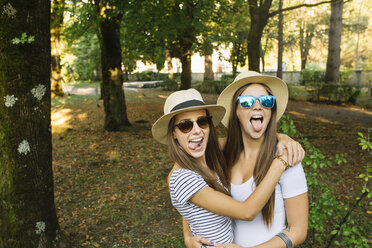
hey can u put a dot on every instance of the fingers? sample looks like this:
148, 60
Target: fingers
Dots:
302, 153
205, 241
295, 153
280, 150
299, 154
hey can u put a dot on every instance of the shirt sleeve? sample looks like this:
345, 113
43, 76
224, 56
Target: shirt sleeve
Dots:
293, 181
184, 184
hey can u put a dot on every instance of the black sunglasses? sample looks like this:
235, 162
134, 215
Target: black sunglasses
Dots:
187, 125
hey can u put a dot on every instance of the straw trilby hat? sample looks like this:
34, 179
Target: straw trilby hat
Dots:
179, 102
277, 86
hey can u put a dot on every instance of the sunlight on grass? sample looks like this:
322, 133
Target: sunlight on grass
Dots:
317, 118
82, 116
61, 120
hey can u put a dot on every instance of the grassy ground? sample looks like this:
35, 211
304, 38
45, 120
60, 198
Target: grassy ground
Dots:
110, 187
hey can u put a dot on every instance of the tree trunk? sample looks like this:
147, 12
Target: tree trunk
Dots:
168, 58
334, 42
56, 23
259, 17
306, 35
186, 66
112, 79
27, 209
263, 52
208, 67
235, 57
279, 72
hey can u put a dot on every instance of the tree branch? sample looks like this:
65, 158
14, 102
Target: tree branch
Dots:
302, 5
346, 217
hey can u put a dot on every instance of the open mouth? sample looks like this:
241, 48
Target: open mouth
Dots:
256, 121
196, 144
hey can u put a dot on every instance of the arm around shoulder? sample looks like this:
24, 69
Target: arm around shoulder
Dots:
211, 200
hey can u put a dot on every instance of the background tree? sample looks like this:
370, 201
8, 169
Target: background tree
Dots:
177, 24
207, 52
306, 33
233, 31
259, 14
55, 30
27, 210
109, 17
279, 72
334, 42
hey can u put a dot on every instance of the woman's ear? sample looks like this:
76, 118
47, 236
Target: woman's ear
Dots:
174, 135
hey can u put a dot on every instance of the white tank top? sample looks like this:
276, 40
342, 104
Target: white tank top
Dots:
251, 233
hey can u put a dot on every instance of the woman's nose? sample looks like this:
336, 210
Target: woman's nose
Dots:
257, 104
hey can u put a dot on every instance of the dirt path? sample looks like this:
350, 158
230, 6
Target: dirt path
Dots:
331, 113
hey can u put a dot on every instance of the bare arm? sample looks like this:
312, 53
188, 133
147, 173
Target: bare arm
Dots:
295, 151
222, 204
297, 210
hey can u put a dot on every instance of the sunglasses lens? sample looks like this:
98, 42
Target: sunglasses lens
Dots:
203, 122
267, 101
185, 126
246, 101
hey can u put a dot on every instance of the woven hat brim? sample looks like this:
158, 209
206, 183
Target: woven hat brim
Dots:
278, 87
160, 128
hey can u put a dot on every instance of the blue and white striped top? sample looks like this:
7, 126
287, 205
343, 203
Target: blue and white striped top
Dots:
183, 185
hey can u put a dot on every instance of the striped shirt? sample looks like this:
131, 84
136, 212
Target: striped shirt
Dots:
183, 185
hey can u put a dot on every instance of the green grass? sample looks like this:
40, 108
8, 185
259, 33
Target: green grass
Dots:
71, 100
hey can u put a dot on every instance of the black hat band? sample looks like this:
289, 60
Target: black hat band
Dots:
188, 104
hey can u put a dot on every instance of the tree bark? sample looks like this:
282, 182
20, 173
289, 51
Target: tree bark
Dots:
112, 79
259, 18
27, 209
279, 72
306, 35
208, 67
186, 66
56, 24
168, 58
334, 42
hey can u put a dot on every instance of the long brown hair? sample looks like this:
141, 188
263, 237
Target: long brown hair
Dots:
234, 147
213, 155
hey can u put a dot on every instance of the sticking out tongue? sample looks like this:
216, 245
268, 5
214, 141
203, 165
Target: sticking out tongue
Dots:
195, 145
256, 124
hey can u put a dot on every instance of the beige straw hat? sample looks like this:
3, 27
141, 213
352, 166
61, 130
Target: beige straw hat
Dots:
179, 102
277, 86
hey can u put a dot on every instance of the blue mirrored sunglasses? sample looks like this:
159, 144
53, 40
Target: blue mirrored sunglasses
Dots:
267, 101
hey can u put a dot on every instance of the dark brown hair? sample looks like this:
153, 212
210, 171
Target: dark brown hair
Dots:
234, 147
213, 155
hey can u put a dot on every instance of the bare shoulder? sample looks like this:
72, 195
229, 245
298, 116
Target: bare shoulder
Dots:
222, 142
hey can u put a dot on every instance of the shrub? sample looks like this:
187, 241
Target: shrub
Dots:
210, 86
319, 90
169, 84
329, 221
228, 78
